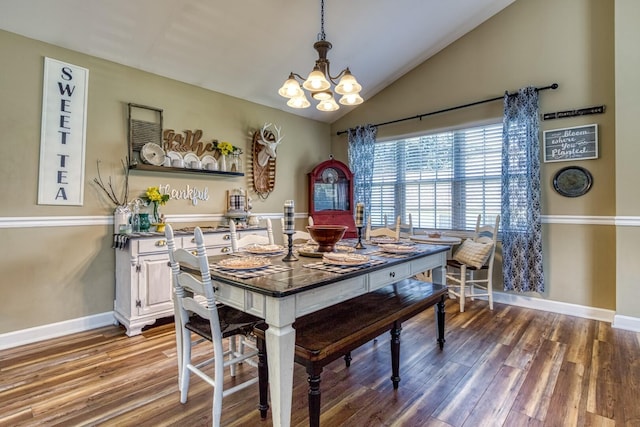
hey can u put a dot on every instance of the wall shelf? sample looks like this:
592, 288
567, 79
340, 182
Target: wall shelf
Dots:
145, 167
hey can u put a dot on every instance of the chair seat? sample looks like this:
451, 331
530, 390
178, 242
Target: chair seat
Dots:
232, 322
458, 264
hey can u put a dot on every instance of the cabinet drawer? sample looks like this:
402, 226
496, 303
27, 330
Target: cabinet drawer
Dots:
386, 276
421, 265
152, 245
210, 239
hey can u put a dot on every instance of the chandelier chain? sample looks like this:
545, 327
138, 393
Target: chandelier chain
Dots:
322, 35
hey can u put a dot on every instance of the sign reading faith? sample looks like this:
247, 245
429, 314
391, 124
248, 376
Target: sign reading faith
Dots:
63, 134
576, 143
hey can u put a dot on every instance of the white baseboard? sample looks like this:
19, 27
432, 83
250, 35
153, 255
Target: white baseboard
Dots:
626, 322
519, 300
54, 330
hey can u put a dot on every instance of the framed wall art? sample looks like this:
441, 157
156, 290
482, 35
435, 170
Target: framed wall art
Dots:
575, 143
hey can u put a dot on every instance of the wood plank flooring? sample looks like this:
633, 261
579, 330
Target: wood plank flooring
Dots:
507, 367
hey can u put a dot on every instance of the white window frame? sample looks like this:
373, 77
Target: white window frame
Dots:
431, 177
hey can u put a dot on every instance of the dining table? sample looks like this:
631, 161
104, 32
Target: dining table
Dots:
281, 291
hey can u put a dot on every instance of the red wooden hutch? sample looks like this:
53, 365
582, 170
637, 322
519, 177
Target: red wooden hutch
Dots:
331, 195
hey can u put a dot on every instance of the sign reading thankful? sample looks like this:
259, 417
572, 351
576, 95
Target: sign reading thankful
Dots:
576, 143
63, 134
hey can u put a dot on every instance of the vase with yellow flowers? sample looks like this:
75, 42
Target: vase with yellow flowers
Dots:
153, 197
226, 150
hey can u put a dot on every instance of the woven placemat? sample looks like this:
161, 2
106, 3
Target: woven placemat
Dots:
341, 269
248, 274
390, 255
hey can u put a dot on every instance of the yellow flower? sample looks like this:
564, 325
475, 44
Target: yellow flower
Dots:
153, 195
226, 148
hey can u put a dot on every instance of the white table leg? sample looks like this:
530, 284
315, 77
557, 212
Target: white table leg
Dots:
280, 339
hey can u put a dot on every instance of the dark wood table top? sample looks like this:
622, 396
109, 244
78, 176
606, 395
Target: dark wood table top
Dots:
298, 277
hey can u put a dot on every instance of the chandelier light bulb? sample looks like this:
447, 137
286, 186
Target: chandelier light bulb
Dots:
291, 88
351, 99
328, 105
299, 102
316, 81
322, 96
348, 84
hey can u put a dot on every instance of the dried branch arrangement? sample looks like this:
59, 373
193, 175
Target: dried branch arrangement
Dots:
109, 190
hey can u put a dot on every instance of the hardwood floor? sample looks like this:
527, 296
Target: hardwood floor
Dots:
509, 367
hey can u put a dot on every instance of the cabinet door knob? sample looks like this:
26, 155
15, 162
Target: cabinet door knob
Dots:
392, 274
227, 237
225, 249
161, 243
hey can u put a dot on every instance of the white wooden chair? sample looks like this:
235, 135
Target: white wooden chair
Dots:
196, 311
238, 243
299, 236
381, 232
405, 229
474, 255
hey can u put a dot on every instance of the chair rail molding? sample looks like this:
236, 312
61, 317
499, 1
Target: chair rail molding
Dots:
83, 221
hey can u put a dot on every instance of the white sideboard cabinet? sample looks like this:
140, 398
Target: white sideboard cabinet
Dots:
143, 276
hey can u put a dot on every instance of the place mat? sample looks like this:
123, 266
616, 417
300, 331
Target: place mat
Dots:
340, 269
390, 255
248, 274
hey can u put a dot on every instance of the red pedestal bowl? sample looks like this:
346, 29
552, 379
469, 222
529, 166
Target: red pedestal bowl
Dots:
326, 236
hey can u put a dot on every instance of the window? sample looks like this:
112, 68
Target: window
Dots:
444, 180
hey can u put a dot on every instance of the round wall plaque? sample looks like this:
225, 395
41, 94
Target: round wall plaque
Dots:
572, 181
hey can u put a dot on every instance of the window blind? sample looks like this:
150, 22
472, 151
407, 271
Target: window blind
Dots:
444, 180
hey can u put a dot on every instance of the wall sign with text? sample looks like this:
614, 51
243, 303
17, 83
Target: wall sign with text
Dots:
575, 143
63, 134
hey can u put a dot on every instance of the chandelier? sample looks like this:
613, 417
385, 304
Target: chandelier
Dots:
319, 81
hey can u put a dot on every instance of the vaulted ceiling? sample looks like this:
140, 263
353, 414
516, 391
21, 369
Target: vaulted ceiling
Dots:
247, 48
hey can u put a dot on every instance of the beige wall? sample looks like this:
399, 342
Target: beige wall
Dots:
531, 42
51, 274
627, 34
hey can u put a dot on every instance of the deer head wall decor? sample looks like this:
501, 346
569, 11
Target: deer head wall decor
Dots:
265, 144
270, 142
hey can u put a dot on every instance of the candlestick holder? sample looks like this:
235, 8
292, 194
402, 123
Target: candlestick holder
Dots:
289, 256
359, 245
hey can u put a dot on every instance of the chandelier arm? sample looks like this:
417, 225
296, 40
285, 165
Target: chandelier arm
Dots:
302, 79
334, 79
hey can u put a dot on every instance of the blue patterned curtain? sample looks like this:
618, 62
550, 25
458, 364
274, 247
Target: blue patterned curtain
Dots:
362, 141
521, 222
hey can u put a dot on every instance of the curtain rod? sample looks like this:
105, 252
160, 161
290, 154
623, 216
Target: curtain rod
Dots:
420, 116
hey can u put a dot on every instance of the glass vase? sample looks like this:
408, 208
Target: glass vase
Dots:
145, 224
236, 163
155, 216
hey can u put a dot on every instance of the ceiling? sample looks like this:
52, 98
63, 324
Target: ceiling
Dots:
247, 48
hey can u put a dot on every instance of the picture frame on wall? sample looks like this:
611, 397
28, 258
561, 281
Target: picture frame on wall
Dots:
573, 143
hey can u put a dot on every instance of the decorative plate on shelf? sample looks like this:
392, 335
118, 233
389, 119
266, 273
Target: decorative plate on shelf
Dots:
189, 158
209, 160
152, 154
174, 155
244, 263
572, 181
